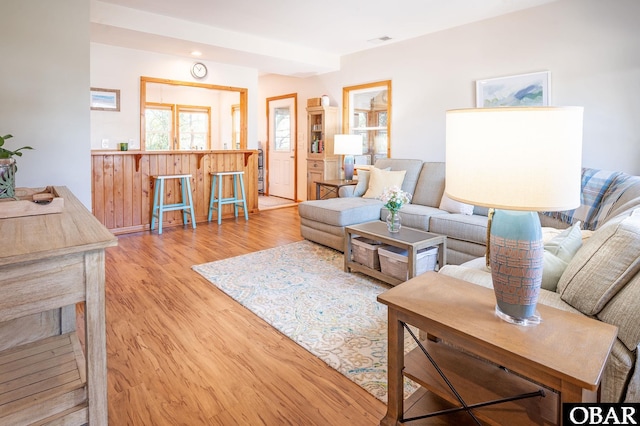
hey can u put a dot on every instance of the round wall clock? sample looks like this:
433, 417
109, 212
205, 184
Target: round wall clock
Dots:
199, 70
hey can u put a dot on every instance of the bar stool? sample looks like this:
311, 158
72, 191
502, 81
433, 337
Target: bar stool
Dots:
159, 207
217, 203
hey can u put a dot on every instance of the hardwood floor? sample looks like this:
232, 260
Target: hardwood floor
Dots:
181, 352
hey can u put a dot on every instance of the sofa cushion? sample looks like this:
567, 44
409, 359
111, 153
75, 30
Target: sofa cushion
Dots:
430, 186
622, 311
380, 179
341, 211
412, 167
604, 265
460, 227
453, 206
414, 215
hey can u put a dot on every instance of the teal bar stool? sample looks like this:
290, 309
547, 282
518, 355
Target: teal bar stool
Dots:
159, 207
217, 203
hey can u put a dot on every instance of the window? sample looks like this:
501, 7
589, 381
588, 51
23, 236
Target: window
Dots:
191, 133
367, 113
193, 128
282, 126
223, 107
235, 123
159, 127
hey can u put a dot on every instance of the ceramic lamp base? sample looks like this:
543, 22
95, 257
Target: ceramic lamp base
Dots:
349, 161
517, 257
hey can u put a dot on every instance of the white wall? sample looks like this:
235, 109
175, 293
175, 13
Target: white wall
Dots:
591, 47
121, 68
44, 91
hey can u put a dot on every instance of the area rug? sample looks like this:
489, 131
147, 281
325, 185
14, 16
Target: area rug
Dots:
302, 290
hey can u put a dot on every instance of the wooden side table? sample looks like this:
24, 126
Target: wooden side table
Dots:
332, 187
563, 357
48, 263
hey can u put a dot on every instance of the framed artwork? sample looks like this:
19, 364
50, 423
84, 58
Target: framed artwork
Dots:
517, 90
104, 99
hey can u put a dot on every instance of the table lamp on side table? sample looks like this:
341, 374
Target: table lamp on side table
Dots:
519, 161
347, 145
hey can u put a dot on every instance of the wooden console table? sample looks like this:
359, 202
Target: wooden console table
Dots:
332, 187
565, 353
48, 264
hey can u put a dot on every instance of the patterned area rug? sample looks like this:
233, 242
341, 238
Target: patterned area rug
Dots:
302, 290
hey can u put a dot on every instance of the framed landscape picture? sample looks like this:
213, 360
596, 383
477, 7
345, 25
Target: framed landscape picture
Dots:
518, 90
104, 99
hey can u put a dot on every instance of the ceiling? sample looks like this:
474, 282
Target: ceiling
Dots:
289, 37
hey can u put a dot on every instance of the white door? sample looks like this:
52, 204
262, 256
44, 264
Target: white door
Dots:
282, 147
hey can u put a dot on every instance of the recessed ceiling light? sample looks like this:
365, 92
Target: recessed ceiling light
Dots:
196, 53
379, 40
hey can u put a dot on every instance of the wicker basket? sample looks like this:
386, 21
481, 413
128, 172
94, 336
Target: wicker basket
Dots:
394, 261
365, 252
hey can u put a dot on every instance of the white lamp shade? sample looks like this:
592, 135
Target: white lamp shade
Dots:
515, 158
347, 144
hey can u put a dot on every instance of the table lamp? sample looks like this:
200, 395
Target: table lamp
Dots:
347, 145
516, 161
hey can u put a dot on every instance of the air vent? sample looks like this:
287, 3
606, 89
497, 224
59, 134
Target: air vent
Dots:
379, 40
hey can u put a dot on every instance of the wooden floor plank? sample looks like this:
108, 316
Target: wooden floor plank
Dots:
180, 351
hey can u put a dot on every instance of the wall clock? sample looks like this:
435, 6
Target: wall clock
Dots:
199, 70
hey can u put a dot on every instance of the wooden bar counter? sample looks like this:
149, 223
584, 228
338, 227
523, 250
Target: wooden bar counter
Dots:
122, 187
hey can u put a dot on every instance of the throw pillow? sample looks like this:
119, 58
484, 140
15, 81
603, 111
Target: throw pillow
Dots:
380, 179
606, 263
566, 244
363, 183
364, 176
558, 252
453, 206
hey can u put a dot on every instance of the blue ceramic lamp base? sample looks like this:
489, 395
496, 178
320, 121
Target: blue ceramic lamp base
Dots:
516, 257
349, 161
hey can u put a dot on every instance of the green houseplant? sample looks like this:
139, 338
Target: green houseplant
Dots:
8, 168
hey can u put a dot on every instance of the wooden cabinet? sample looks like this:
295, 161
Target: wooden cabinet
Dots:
322, 163
48, 264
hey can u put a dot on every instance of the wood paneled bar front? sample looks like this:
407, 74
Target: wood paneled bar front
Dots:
122, 184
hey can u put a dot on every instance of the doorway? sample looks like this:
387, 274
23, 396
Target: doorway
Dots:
282, 143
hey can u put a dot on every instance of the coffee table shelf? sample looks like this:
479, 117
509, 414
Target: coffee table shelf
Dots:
409, 239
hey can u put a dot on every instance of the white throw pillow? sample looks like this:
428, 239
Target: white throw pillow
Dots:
364, 176
558, 252
380, 179
453, 206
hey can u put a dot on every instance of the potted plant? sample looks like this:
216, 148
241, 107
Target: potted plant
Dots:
8, 168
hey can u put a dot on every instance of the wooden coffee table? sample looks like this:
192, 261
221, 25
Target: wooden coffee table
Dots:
562, 357
409, 239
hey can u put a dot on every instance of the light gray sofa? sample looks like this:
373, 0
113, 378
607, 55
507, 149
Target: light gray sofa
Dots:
601, 280
323, 221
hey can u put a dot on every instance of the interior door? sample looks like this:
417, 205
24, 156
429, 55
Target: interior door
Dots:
281, 118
